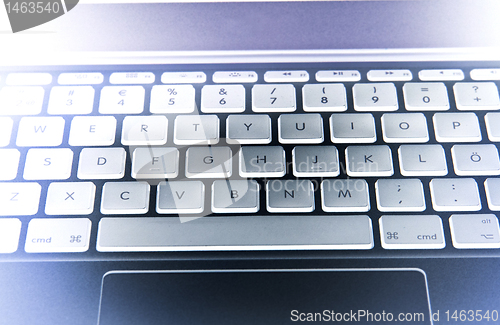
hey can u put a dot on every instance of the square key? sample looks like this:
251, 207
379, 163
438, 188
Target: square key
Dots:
345, 195
196, 129
125, 198
366, 161
375, 97
290, 195
475, 231
300, 128
122, 100
155, 162
273, 98
70, 198
209, 162
235, 196
455, 194
172, 99
179, 197
223, 99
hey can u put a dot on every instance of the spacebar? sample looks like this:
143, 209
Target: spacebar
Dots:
235, 233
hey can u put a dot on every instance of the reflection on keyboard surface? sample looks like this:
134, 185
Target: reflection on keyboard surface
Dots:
253, 159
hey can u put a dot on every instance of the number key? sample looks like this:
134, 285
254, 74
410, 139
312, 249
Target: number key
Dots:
71, 100
223, 99
122, 100
21, 100
273, 98
172, 99
324, 98
426, 96
375, 97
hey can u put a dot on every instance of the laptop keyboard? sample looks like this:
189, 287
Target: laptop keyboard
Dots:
222, 158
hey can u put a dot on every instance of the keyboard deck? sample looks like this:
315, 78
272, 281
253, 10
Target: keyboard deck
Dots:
365, 159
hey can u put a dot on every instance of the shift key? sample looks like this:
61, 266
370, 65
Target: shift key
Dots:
58, 235
411, 232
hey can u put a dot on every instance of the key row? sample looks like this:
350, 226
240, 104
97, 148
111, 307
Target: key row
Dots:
243, 196
28, 100
249, 76
50, 235
253, 162
249, 129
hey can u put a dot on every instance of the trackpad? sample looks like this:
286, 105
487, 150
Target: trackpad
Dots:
265, 297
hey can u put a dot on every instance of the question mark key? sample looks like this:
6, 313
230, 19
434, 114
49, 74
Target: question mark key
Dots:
476, 96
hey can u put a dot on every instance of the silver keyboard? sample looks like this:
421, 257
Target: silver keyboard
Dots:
253, 159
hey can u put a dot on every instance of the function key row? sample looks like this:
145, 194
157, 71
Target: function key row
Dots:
90, 78
231, 98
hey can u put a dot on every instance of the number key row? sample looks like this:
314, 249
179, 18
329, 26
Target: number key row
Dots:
170, 99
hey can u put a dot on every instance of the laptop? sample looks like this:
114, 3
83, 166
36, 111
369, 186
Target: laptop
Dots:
264, 162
